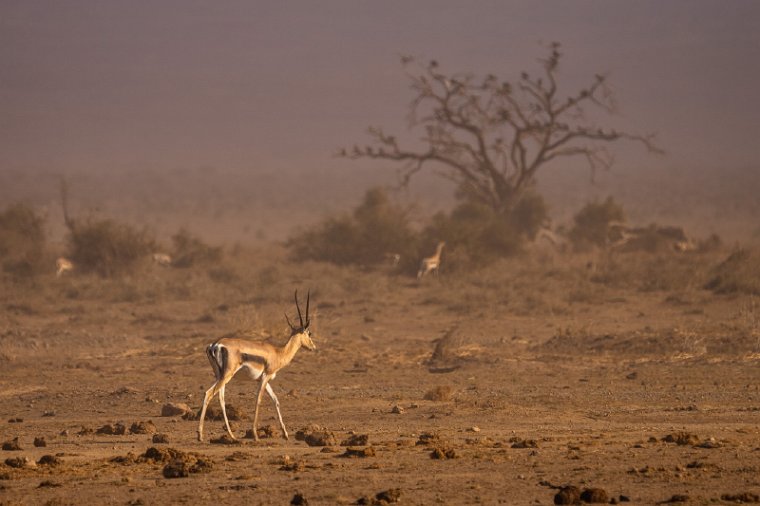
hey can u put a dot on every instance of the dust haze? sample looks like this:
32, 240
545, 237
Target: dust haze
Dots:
169, 175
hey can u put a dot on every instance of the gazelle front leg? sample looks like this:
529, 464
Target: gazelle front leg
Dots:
206, 399
264, 384
277, 406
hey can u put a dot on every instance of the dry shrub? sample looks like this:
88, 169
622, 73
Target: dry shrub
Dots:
591, 223
475, 233
107, 247
189, 250
22, 241
377, 227
739, 273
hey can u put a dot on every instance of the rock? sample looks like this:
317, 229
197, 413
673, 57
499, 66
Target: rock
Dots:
397, 410
443, 454
359, 452
12, 446
568, 495
17, 462
682, 438
49, 460
115, 429
175, 409
160, 438
594, 496
143, 428
320, 438
356, 440
525, 443
40, 442
299, 500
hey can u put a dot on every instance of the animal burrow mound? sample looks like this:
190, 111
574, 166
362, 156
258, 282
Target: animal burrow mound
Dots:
385, 497
316, 436
214, 413
224, 439
179, 464
682, 438
49, 460
570, 494
265, 432
356, 440
12, 445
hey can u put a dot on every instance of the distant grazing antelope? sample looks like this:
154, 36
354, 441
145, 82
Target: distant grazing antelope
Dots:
162, 259
393, 259
228, 355
432, 263
63, 265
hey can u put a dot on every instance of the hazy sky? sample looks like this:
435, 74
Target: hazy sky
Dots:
102, 85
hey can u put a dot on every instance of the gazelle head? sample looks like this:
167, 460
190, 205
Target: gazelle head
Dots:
302, 332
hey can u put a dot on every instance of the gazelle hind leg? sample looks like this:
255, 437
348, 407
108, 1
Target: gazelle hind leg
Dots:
224, 412
206, 399
277, 406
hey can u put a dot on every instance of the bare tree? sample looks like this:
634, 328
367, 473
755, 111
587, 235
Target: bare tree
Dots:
492, 136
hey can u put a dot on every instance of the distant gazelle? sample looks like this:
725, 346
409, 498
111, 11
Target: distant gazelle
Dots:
63, 265
229, 354
431, 263
162, 259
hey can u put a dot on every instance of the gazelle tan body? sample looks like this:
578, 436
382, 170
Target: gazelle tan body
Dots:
262, 360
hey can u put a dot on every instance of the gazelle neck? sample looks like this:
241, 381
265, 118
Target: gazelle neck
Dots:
290, 349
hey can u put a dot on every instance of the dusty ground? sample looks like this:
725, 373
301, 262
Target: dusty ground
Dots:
537, 373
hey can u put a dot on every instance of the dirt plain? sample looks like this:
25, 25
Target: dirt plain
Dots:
492, 387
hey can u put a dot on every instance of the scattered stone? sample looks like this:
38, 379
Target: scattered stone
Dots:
115, 429
288, 464
16, 420
443, 454
160, 438
129, 458
568, 495
143, 428
299, 500
85, 431
594, 496
40, 442
175, 409
49, 460
397, 410
356, 440
369, 451
439, 393
48, 413
682, 438
17, 462
744, 497
176, 469
12, 445
64, 433
710, 444
632, 376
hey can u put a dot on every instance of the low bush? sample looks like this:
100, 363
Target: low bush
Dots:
189, 250
107, 247
592, 223
376, 229
739, 273
22, 241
